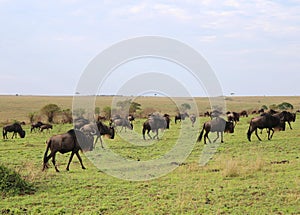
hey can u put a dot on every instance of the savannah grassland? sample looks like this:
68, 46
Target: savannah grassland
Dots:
242, 177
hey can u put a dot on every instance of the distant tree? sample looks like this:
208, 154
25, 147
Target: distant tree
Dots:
50, 111
67, 116
184, 107
273, 106
107, 112
124, 105
97, 111
31, 116
285, 106
264, 107
134, 106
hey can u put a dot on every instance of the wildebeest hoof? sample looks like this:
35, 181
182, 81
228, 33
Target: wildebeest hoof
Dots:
83, 167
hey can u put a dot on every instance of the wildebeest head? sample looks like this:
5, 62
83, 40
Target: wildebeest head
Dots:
229, 127
22, 133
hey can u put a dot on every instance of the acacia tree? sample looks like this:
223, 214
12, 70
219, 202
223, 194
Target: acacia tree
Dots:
50, 111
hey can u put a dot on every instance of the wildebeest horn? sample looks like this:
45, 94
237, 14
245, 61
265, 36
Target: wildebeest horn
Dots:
94, 133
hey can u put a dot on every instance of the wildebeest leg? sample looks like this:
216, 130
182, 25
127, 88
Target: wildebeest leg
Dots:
148, 132
222, 137
54, 163
289, 125
80, 160
98, 137
156, 134
206, 136
257, 134
217, 137
71, 157
270, 135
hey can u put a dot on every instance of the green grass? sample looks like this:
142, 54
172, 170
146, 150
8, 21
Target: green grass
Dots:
241, 178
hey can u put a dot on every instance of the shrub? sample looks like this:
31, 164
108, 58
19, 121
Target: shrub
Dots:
11, 183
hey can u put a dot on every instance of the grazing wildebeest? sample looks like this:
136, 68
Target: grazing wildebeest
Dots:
46, 127
104, 130
72, 141
215, 113
193, 119
218, 125
267, 121
261, 110
16, 128
154, 123
124, 123
271, 111
233, 117
206, 114
78, 123
181, 116
244, 113
36, 125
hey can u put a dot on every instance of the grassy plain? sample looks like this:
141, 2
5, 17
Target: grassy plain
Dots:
242, 177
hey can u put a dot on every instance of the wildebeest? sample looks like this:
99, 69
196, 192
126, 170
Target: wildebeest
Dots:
206, 114
98, 129
104, 130
244, 113
218, 125
193, 119
286, 117
36, 125
72, 141
233, 117
154, 123
130, 117
16, 128
181, 116
46, 127
267, 121
124, 123
215, 113
79, 122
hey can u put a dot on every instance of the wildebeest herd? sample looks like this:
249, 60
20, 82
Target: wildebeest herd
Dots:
81, 137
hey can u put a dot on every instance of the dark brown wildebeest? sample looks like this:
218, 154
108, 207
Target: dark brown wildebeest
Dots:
36, 125
244, 113
193, 119
233, 117
267, 121
46, 127
154, 123
206, 114
261, 110
16, 128
218, 125
286, 117
72, 141
271, 111
181, 116
104, 130
130, 117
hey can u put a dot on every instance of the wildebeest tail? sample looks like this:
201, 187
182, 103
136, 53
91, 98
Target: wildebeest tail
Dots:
201, 134
249, 132
46, 152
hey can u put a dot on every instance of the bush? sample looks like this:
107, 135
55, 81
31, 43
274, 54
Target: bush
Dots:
11, 183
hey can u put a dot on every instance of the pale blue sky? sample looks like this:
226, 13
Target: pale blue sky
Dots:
253, 46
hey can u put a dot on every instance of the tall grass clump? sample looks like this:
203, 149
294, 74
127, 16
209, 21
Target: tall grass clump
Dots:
11, 183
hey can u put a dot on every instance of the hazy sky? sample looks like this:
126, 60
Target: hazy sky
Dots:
253, 46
